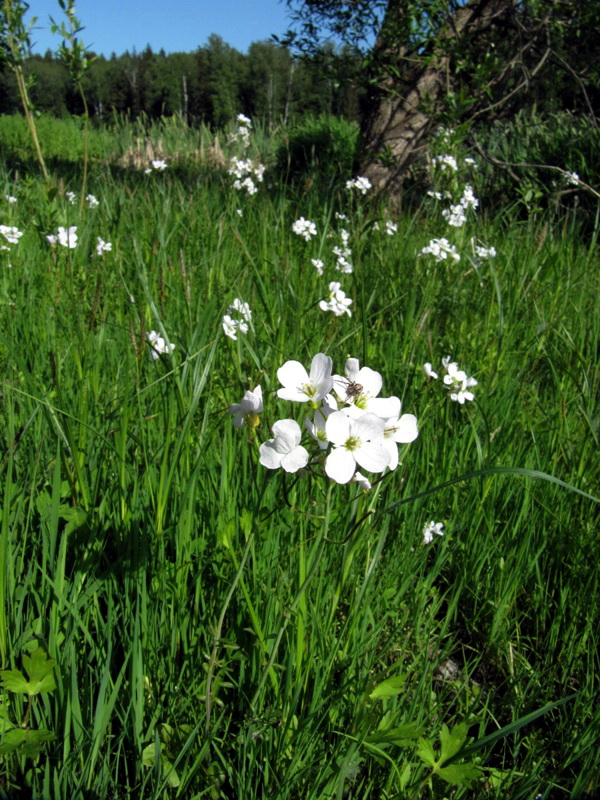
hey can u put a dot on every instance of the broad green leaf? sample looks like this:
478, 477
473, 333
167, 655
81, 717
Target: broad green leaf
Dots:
388, 688
40, 670
14, 681
28, 743
400, 735
460, 774
452, 741
426, 753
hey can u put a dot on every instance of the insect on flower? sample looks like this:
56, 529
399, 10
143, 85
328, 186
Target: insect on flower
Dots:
353, 389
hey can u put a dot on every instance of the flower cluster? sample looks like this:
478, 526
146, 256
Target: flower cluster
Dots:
71, 197
304, 228
446, 163
241, 133
343, 253
92, 202
10, 198
10, 233
430, 529
361, 185
239, 323
338, 302
245, 171
158, 346
352, 426
455, 379
103, 247
66, 237
441, 249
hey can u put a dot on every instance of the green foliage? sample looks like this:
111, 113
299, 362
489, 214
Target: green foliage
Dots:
320, 151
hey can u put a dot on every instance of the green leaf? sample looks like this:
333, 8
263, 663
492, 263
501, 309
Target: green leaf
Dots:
27, 743
40, 670
460, 774
426, 753
14, 681
389, 688
401, 735
452, 741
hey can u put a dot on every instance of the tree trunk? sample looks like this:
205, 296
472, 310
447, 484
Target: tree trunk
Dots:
401, 111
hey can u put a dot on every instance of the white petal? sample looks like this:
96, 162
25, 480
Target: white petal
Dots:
392, 448
384, 407
405, 429
373, 456
351, 369
368, 427
292, 375
320, 372
269, 457
287, 435
340, 465
296, 459
337, 428
370, 380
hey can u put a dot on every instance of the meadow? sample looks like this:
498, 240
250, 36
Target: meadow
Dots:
192, 608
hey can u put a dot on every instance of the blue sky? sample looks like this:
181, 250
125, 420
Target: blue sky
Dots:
175, 25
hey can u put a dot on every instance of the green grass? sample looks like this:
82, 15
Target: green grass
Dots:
219, 629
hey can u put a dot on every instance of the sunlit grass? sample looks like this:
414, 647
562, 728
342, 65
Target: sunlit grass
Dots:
219, 628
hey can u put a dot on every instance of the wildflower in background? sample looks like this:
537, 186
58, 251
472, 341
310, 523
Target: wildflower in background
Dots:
572, 178
249, 409
484, 252
71, 197
244, 172
338, 302
339, 216
458, 382
244, 121
455, 216
361, 184
103, 247
446, 163
468, 199
299, 386
66, 237
239, 212
343, 254
470, 162
159, 164
10, 198
391, 228
430, 529
435, 195
10, 233
158, 346
284, 450
355, 441
232, 326
318, 265
441, 249
305, 228
92, 202
429, 371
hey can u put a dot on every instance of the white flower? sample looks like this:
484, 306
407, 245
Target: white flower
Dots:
103, 247
338, 302
355, 441
572, 178
337, 215
441, 249
10, 233
429, 372
305, 228
239, 212
391, 228
158, 346
244, 121
399, 430
359, 389
66, 237
446, 163
72, 198
468, 199
285, 449
470, 162
431, 528
318, 265
361, 184
364, 483
92, 202
299, 386
455, 216
458, 382
159, 164
435, 195
230, 326
484, 252
9, 198
241, 308
249, 409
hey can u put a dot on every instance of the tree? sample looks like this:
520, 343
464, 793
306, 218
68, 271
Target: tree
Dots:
433, 62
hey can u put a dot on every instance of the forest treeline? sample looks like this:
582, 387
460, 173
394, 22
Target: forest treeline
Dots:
210, 85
